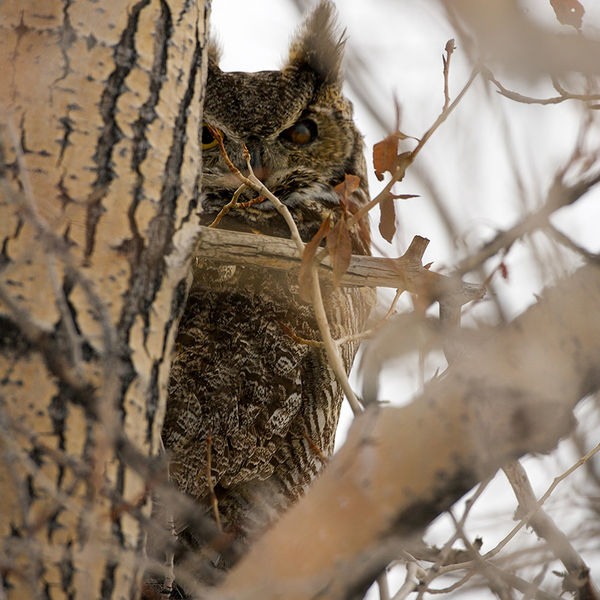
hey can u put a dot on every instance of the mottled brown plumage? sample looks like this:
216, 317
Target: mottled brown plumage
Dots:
265, 403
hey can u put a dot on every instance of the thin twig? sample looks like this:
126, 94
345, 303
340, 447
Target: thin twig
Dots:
527, 517
435, 570
331, 349
445, 113
544, 527
211, 488
369, 333
333, 354
384, 588
559, 195
484, 567
231, 204
407, 161
566, 241
450, 47
409, 584
563, 94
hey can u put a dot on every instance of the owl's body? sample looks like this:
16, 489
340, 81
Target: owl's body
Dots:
248, 399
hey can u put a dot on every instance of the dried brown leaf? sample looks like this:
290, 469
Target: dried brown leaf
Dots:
404, 196
568, 12
387, 221
385, 154
340, 250
310, 249
345, 189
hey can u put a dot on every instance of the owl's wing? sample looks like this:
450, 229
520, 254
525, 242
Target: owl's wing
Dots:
236, 386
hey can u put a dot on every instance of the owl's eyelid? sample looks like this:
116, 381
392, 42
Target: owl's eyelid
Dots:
312, 114
310, 124
222, 128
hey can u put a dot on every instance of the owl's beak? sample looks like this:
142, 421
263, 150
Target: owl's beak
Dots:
262, 173
255, 148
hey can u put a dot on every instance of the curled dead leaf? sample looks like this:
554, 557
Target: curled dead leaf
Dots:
568, 12
339, 246
385, 154
345, 189
387, 221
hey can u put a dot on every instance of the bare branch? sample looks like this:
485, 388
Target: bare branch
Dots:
490, 412
406, 272
564, 95
450, 47
406, 160
578, 579
559, 195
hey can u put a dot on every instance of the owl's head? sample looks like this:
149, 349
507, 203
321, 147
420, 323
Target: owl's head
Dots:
297, 126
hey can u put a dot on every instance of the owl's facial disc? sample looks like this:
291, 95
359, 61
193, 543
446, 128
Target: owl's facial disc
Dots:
298, 129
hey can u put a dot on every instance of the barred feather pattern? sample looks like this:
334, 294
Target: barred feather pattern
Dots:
267, 403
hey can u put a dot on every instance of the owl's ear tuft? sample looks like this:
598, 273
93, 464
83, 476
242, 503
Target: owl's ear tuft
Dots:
319, 45
214, 51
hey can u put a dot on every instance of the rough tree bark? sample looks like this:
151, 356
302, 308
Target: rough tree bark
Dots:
100, 111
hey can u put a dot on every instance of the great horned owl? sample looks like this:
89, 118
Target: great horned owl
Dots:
244, 390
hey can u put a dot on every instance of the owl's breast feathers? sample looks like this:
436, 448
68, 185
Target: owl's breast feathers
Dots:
244, 383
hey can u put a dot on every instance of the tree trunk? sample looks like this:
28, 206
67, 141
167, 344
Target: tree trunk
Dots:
100, 112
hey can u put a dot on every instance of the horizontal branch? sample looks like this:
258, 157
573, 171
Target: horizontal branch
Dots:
405, 272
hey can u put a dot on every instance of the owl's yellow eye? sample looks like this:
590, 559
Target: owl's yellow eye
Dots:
301, 133
208, 138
